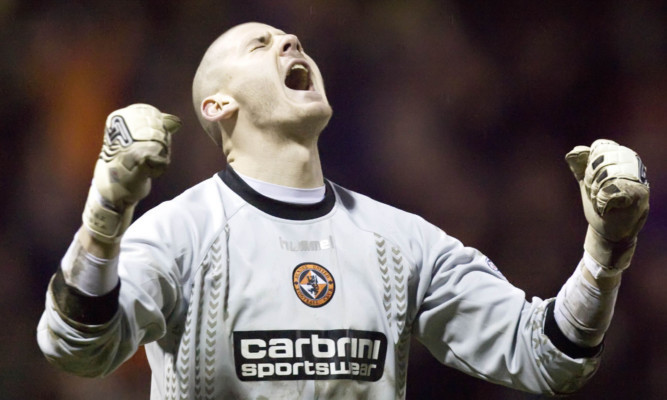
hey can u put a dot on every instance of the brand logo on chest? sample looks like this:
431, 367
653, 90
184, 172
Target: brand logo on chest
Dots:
313, 284
306, 245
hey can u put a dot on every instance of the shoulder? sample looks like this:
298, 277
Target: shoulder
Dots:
197, 210
202, 199
383, 219
354, 202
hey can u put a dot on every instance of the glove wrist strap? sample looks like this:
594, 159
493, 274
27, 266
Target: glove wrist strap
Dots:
610, 258
103, 223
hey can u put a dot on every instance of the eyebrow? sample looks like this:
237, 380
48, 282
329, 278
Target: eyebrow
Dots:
255, 35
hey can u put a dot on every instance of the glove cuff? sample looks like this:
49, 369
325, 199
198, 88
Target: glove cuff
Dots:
103, 223
611, 258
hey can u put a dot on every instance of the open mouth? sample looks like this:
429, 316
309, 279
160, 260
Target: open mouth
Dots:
298, 77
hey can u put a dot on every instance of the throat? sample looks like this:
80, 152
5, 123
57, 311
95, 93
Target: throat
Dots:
276, 157
277, 169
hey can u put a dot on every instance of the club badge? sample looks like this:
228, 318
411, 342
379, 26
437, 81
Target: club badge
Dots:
313, 284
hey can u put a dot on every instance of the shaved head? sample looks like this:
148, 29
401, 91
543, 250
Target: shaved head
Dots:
208, 80
255, 77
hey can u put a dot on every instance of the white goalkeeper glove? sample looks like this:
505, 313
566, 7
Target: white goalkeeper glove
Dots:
615, 195
137, 143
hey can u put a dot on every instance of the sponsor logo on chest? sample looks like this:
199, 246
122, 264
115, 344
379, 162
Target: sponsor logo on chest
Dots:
309, 354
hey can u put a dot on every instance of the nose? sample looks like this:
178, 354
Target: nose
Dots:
289, 44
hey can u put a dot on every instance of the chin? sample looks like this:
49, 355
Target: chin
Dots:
309, 122
317, 117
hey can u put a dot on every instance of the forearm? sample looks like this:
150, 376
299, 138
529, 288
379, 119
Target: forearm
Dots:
79, 330
91, 265
82, 349
585, 305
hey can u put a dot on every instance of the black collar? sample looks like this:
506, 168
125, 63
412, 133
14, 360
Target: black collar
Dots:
280, 209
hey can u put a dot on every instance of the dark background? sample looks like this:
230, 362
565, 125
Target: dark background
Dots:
459, 111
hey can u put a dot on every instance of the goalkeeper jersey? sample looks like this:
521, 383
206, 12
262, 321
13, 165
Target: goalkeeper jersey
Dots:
236, 295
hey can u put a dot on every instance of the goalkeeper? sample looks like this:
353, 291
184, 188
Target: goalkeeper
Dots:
269, 281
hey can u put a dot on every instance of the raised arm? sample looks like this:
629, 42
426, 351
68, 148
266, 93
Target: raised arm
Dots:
137, 142
81, 326
474, 320
615, 195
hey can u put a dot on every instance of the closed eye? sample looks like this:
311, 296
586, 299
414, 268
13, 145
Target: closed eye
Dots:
260, 42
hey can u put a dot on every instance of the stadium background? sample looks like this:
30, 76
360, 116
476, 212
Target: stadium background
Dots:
459, 111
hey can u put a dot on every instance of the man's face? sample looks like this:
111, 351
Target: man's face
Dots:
272, 79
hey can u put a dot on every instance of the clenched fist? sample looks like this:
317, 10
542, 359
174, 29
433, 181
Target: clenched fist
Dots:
137, 143
615, 195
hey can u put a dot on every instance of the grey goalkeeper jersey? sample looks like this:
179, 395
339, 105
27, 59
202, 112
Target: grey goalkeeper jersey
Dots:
238, 296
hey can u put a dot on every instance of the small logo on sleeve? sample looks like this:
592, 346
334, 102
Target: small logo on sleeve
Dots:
313, 284
493, 267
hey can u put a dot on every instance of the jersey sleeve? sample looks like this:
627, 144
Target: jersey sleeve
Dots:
93, 335
471, 318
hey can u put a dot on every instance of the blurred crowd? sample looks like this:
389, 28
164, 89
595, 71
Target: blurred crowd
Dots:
460, 111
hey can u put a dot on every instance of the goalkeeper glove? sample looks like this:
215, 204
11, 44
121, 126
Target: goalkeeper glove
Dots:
615, 195
137, 142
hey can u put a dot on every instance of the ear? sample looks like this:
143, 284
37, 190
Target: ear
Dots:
218, 107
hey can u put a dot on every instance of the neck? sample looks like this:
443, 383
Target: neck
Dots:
276, 159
